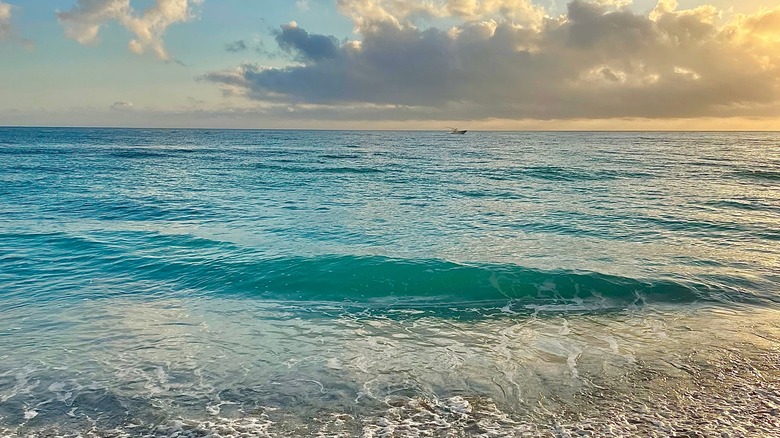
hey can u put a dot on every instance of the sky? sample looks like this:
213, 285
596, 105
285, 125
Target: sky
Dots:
392, 64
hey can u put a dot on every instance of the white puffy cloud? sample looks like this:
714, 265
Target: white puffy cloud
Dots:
614, 3
368, 12
84, 21
596, 61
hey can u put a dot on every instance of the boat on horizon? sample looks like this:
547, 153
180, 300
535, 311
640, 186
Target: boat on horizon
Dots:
458, 131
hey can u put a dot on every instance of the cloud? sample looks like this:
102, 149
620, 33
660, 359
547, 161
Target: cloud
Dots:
296, 41
596, 61
9, 33
614, 3
122, 105
195, 101
6, 29
83, 22
366, 13
236, 46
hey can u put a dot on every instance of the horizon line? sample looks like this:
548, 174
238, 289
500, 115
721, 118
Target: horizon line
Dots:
377, 129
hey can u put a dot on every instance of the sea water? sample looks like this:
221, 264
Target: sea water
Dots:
317, 283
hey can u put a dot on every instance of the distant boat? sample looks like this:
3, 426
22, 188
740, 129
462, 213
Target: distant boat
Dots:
458, 131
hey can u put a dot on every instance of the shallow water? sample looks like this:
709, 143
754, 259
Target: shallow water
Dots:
300, 283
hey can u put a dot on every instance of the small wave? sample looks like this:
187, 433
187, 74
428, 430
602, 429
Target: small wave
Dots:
424, 283
340, 156
374, 281
696, 226
138, 154
747, 205
762, 175
563, 174
317, 169
553, 173
490, 193
35, 150
122, 209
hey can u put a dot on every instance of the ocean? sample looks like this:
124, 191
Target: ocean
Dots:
192, 283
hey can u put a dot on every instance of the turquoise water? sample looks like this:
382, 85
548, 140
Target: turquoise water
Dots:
296, 283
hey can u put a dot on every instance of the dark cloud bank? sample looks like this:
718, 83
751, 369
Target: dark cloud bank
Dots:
593, 62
